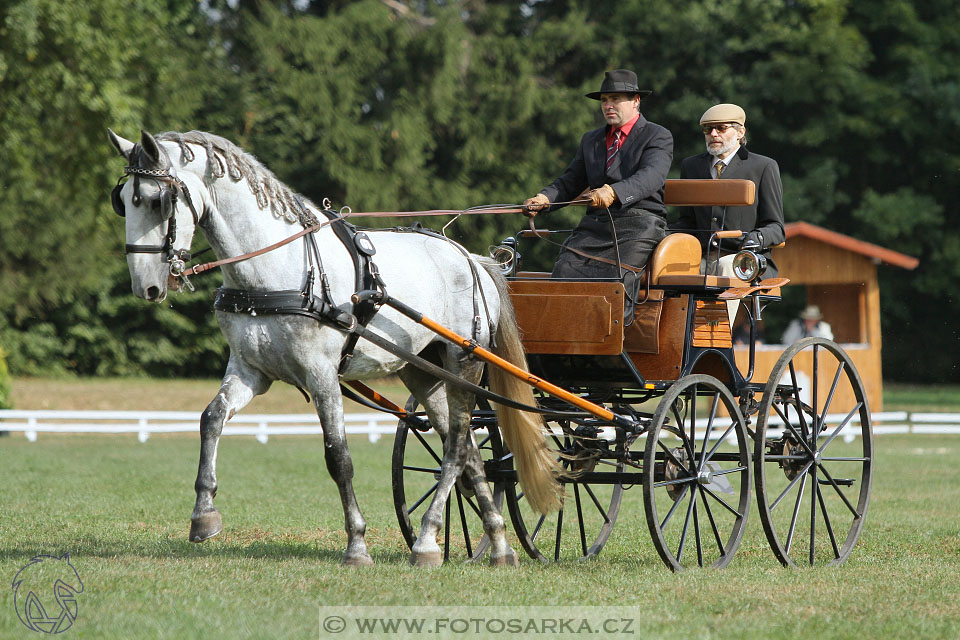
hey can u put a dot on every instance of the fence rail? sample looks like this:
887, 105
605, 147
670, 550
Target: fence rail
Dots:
373, 425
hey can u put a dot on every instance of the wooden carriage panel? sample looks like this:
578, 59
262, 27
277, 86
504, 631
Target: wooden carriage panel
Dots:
711, 325
570, 318
666, 364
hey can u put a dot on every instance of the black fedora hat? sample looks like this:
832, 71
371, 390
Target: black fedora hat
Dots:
619, 81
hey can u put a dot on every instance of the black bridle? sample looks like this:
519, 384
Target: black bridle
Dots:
166, 201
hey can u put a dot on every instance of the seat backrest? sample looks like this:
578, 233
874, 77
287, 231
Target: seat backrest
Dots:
705, 193
677, 254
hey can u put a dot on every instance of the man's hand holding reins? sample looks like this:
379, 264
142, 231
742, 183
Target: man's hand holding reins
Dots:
536, 204
602, 198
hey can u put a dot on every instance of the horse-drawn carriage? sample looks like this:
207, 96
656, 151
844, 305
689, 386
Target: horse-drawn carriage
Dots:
638, 386
699, 434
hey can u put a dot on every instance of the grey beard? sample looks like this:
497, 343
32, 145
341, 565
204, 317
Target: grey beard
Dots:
716, 153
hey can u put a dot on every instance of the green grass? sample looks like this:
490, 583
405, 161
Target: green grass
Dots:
121, 509
921, 397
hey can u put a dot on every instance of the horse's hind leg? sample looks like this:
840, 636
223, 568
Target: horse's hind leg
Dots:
460, 459
240, 385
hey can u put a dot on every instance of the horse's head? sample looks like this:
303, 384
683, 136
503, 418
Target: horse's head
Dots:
159, 232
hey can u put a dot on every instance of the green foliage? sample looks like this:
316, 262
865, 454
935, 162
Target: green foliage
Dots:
5, 401
400, 106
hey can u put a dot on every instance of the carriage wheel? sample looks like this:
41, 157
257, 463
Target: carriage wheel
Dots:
814, 455
581, 528
416, 473
696, 474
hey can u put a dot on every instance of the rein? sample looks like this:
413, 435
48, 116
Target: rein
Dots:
481, 210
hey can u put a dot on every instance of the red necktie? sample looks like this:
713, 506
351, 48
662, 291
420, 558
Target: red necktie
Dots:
614, 148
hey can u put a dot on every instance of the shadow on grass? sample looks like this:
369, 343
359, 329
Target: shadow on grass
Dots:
173, 549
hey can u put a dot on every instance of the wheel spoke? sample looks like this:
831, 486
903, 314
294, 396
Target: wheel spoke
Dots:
670, 453
583, 534
827, 524
433, 470
796, 396
463, 523
813, 512
720, 440
600, 509
556, 547
713, 523
696, 533
686, 525
796, 511
676, 503
836, 487
833, 389
814, 395
426, 445
791, 485
429, 493
840, 427
706, 436
722, 502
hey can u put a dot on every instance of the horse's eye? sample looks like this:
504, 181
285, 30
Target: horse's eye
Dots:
155, 203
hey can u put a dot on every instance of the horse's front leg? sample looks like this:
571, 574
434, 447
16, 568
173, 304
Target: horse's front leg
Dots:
329, 404
240, 385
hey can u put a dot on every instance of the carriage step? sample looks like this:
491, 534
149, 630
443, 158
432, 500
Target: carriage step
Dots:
843, 482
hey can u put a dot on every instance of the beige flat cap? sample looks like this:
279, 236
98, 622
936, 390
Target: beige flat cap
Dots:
720, 113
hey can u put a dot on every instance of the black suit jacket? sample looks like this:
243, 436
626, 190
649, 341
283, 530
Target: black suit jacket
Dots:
637, 174
764, 215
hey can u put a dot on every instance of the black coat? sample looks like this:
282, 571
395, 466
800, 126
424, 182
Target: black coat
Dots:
764, 215
636, 175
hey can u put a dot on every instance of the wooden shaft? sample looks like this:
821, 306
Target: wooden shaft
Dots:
373, 396
516, 371
733, 233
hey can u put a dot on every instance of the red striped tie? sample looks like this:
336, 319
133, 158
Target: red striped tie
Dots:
614, 148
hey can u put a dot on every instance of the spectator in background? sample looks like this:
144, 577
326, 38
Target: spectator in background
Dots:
810, 323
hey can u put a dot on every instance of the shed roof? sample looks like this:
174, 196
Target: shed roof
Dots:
876, 252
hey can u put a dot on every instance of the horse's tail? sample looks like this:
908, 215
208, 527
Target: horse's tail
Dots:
524, 433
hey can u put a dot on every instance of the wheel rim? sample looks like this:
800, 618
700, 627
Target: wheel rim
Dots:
813, 482
416, 471
696, 477
582, 527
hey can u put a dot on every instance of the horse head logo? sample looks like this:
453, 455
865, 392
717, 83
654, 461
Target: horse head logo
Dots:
45, 593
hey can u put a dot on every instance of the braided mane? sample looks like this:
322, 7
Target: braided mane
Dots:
226, 158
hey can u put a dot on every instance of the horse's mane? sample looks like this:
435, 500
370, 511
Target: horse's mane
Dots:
226, 158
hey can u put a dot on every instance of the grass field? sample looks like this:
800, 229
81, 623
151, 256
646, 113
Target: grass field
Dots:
121, 509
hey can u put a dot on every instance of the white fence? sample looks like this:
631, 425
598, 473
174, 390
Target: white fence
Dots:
372, 425
145, 423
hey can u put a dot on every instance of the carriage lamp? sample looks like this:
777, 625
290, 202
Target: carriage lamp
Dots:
749, 266
506, 255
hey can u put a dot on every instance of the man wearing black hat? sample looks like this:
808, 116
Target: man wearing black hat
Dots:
624, 165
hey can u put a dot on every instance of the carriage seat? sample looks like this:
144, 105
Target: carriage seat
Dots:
586, 317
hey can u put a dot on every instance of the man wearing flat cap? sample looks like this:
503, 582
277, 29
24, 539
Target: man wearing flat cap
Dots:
726, 157
622, 165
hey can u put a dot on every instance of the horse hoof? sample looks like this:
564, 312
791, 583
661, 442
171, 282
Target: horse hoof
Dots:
206, 526
426, 558
357, 561
509, 560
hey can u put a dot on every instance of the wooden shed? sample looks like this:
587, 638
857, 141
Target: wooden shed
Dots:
840, 276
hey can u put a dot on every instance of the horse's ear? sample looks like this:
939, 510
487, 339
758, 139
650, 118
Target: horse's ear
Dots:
151, 148
122, 145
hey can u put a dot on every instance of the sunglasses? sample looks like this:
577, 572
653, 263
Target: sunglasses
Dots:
721, 128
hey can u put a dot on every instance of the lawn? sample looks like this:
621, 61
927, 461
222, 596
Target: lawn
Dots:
121, 509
